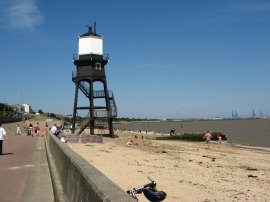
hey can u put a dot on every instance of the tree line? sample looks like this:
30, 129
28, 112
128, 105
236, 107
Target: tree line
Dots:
6, 110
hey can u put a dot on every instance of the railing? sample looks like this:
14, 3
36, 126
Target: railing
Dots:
87, 73
97, 93
101, 94
103, 114
74, 74
100, 114
77, 56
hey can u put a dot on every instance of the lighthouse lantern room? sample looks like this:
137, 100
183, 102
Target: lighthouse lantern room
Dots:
90, 43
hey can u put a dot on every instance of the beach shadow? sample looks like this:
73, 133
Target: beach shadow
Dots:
7, 154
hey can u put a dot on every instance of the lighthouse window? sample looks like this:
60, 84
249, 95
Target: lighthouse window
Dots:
98, 66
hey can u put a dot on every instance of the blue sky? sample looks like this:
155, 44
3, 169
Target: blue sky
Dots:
168, 59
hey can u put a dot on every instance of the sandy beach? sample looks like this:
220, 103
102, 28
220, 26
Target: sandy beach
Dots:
186, 171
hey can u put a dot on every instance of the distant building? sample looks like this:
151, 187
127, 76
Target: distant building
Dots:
27, 108
19, 109
217, 118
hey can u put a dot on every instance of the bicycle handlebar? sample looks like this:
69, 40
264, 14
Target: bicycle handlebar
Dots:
140, 189
149, 190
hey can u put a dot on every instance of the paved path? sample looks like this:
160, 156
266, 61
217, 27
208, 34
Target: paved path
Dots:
24, 172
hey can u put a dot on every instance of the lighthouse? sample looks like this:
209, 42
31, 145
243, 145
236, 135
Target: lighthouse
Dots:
90, 79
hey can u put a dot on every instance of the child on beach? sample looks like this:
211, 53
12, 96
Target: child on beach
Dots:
129, 143
219, 139
18, 130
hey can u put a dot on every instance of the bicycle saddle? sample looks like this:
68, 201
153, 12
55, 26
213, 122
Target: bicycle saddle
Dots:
154, 195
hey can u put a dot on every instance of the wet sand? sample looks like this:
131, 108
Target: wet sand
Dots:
186, 171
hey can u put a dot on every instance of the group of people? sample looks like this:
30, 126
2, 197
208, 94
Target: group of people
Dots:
31, 130
208, 137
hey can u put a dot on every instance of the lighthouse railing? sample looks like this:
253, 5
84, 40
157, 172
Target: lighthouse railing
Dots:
92, 55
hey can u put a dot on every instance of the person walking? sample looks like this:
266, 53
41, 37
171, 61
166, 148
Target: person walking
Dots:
2, 135
37, 129
44, 130
18, 130
207, 137
30, 130
25, 126
219, 139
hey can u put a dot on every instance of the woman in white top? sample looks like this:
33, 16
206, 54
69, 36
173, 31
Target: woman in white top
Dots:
2, 134
54, 129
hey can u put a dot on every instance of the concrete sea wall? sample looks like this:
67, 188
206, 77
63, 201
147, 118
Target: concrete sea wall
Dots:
74, 179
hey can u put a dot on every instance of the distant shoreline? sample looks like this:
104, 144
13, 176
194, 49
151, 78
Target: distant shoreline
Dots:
246, 132
224, 142
188, 120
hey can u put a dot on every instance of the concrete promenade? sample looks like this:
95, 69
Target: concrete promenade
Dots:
24, 171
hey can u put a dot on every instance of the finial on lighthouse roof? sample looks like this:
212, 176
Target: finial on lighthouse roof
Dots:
91, 32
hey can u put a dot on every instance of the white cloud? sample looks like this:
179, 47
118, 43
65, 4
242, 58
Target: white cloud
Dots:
22, 14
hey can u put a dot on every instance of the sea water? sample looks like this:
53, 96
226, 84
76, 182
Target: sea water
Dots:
241, 132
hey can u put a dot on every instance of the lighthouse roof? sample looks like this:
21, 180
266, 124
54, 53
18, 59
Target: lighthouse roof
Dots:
90, 33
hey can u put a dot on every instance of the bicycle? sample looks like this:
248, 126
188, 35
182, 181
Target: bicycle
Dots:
149, 190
